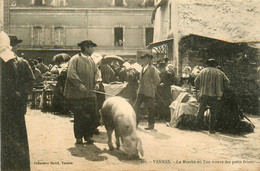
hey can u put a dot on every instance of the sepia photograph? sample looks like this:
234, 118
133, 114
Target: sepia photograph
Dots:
122, 85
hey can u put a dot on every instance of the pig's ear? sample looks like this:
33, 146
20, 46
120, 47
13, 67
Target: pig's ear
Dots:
139, 146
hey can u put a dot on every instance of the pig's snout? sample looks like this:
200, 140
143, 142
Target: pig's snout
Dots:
132, 146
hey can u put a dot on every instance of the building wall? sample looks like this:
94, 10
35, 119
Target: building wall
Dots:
85, 3
84, 24
80, 20
161, 23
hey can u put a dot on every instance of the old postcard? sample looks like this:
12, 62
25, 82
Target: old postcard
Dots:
130, 85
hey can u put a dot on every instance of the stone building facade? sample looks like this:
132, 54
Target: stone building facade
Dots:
47, 27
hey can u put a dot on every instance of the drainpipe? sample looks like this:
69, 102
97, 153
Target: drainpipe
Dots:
175, 19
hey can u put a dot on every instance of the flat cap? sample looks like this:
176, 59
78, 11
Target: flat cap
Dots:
147, 55
87, 43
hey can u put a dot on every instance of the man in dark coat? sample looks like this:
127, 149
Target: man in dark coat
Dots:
164, 97
107, 73
211, 83
41, 66
82, 79
149, 80
16, 83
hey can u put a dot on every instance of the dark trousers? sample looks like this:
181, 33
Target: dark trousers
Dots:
85, 117
149, 101
214, 104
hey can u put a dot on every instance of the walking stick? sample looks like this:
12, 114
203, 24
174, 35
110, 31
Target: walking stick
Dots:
100, 92
161, 98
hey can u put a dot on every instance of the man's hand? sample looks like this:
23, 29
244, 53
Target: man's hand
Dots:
96, 86
82, 88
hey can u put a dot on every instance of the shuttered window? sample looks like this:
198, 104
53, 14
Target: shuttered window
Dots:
59, 36
148, 35
59, 3
37, 36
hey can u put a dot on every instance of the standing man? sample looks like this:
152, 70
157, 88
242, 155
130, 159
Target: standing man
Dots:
41, 66
164, 97
149, 80
16, 83
82, 79
211, 83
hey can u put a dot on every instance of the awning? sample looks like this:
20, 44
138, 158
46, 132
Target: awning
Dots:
159, 43
216, 39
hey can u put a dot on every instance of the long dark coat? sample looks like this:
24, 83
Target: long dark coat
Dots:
16, 82
164, 97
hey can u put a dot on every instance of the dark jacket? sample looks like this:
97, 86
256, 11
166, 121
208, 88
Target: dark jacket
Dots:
81, 70
149, 80
16, 83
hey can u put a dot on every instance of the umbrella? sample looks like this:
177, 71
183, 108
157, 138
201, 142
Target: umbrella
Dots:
111, 58
61, 57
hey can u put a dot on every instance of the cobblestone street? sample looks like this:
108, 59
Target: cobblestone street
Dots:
52, 147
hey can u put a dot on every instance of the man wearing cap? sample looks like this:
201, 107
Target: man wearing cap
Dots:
211, 83
82, 79
164, 97
16, 83
149, 80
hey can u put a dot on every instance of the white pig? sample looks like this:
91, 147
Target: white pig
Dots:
117, 114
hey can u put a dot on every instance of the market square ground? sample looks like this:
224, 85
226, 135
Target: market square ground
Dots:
52, 147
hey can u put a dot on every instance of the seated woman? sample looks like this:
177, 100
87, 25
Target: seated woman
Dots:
186, 79
230, 118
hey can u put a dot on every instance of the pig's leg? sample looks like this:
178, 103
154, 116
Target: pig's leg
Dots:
117, 139
109, 135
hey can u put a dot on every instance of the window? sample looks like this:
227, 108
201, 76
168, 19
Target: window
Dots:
148, 36
37, 36
58, 3
118, 36
59, 36
38, 2
119, 3
170, 16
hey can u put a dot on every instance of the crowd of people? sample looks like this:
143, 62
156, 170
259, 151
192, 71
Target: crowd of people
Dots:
80, 90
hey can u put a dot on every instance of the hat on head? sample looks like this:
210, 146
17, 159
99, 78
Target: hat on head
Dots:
6, 52
170, 65
14, 40
162, 65
147, 55
211, 62
87, 43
